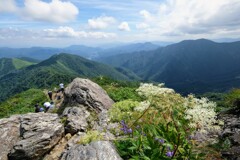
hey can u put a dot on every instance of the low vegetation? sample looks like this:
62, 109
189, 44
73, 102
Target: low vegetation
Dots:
22, 103
164, 125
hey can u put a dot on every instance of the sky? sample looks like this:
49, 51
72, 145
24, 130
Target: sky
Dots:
60, 23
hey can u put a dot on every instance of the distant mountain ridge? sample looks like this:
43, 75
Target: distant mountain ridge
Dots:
189, 66
58, 68
42, 53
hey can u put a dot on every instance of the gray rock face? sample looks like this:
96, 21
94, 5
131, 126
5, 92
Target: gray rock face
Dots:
87, 93
9, 135
76, 119
100, 150
231, 131
39, 133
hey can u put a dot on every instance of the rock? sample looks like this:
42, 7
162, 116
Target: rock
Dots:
100, 150
87, 93
9, 135
57, 151
39, 133
231, 131
76, 119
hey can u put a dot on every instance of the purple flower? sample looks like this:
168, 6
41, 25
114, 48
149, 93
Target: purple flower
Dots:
129, 130
156, 139
161, 141
125, 128
169, 153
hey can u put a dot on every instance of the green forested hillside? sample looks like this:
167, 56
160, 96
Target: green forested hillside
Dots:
196, 66
10, 64
59, 68
22, 103
19, 63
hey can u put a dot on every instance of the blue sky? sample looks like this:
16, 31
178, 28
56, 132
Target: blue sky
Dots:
59, 23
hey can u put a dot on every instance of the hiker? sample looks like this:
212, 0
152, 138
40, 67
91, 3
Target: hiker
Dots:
37, 108
52, 105
47, 105
61, 85
50, 95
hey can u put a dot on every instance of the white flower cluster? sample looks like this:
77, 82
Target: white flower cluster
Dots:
142, 106
148, 89
201, 114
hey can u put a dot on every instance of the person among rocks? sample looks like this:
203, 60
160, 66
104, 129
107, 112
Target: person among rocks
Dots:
38, 108
61, 85
50, 94
47, 105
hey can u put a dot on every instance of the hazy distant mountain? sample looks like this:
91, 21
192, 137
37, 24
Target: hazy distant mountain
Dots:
128, 49
42, 53
189, 66
51, 72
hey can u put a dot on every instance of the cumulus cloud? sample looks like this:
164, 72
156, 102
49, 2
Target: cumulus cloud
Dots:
145, 14
7, 6
68, 32
124, 26
195, 17
55, 11
142, 26
100, 22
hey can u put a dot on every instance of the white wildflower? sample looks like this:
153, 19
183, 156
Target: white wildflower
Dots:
142, 106
201, 113
148, 89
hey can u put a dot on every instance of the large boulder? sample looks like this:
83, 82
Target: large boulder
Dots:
39, 133
100, 150
76, 119
87, 93
9, 135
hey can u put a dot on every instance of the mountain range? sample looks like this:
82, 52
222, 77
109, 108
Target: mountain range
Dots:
58, 68
195, 66
42, 53
190, 66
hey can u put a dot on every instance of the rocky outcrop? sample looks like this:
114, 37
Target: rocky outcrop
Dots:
39, 133
231, 132
37, 136
9, 135
87, 93
57, 151
76, 119
100, 150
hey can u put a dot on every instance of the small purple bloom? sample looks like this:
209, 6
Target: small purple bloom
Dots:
156, 139
125, 128
169, 153
161, 141
129, 130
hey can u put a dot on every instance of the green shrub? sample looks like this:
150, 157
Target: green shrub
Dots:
232, 99
22, 103
90, 136
122, 110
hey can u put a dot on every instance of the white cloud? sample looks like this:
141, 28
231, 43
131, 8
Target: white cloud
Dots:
124, 26
100, 22
68, 32
196, 17
7, 6
55, 11
142, 26
145, 14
